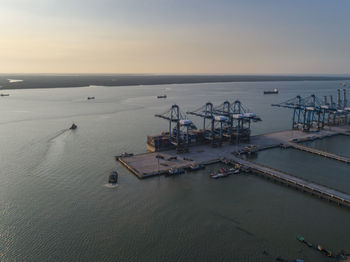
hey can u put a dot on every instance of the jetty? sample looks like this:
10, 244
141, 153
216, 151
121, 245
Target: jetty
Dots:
323, 192
319, 152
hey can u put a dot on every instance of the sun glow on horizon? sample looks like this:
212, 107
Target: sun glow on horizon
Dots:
166, 37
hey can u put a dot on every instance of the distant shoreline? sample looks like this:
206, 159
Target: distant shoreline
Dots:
70, 81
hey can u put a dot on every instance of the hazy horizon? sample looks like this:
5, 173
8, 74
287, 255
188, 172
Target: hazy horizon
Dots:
175, 37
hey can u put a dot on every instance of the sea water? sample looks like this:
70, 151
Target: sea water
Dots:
55, 206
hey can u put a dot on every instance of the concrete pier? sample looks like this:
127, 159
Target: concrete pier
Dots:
313, 188
152, 164
319, 152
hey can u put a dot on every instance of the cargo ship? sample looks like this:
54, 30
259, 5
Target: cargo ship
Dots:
274, 91
163, 142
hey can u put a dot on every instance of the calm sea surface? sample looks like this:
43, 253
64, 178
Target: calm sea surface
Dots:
55, 206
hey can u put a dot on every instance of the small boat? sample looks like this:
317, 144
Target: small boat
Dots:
308, 243
4, 94
224, 173
161, 96
113, 177
274, 91
327, 252
125, 154
236, 171
90, 97
218, 174
324, 251
196, 167
73, 127
175, 171
215, 176
343, 84
300, 238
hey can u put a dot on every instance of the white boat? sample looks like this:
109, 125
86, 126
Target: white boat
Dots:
175, 171
224, 172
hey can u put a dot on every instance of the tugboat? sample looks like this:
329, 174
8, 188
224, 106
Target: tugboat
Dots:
73, 127
113, 177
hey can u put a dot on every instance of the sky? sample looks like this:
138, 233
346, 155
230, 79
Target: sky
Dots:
175, 36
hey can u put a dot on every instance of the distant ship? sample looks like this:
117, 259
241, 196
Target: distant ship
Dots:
4, 94
275, 91
90, 97
162, 96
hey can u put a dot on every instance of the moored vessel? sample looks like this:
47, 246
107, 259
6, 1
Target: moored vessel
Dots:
223, 172
175, 171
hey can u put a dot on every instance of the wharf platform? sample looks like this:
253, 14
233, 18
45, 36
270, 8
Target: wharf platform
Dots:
146, 164
152, 164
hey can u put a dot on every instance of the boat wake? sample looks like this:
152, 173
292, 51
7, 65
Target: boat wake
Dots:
108, 185
50, 148
57, 134
54, 151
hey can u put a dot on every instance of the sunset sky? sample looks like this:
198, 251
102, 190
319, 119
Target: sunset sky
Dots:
175, 36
